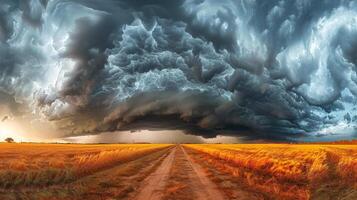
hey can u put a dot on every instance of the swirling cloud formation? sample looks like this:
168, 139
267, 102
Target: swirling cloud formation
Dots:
272, 69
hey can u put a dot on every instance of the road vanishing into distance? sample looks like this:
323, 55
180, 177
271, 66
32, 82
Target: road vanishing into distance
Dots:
188, 175
178, 172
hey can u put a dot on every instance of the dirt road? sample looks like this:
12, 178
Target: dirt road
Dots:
178, 177
155, 183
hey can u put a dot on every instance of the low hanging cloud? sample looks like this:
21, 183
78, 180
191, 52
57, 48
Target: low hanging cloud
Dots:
275, 70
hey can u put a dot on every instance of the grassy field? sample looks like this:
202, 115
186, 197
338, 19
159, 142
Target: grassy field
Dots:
29, 165
284, 171
187, 172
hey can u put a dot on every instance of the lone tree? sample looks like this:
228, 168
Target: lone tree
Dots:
9, 140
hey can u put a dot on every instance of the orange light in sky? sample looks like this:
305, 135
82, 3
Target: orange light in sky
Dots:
10, 129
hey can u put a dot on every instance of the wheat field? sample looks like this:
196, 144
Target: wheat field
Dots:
285, 171
47, 164
128, 171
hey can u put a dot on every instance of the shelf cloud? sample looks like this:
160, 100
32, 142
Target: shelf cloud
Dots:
275, 69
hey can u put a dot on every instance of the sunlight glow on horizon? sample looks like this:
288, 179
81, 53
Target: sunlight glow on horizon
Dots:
10, 129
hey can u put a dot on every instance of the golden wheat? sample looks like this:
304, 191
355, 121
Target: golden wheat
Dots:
47, 164
281, 170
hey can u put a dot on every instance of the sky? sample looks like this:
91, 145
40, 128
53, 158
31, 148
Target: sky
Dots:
203, 70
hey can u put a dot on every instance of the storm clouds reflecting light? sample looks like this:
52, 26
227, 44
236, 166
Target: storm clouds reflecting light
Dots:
276, 69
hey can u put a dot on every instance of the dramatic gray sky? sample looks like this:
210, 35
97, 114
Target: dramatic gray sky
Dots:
275, 70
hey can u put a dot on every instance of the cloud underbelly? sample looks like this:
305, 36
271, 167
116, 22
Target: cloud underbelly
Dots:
286, 68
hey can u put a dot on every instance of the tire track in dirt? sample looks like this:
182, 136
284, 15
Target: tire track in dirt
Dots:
194, 180
204, 188
231, 186
154, 184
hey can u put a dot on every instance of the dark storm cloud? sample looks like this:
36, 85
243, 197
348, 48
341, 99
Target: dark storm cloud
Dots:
12, 107
272, 69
